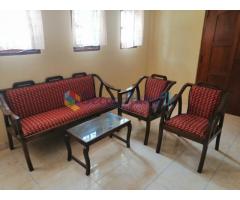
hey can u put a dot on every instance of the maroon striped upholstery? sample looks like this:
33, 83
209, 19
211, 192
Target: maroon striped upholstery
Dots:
139, 107
192, 124
41, 98
154, 88
203, 101
84, 86
60, 116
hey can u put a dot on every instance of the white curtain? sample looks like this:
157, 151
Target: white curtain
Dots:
21, 30
132, 24
89, 28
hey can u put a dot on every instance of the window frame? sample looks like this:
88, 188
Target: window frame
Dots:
85, 48
133, 47
15, 52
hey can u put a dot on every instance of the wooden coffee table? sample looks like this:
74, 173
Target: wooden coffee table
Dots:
90, 132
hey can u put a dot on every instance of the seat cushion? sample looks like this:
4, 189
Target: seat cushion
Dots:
191, 124
139, 107
154, 88
203, 101
43, 97
57, 117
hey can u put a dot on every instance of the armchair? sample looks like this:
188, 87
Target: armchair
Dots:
150, 108
203, 120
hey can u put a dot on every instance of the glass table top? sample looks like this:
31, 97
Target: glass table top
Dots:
97, 127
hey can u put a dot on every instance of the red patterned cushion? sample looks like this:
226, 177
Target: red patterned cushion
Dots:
44, 97
203, 101
83, 86
154, 88
190, 123
139, 107
57, 117
36, 99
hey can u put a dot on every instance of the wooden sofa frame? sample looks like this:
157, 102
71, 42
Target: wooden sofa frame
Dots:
12, 121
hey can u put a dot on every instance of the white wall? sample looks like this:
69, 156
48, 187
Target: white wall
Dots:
175, 44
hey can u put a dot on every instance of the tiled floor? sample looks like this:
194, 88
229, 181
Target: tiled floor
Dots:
116, 167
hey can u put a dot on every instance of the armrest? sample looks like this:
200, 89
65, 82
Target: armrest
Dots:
129, 89
106, 84
4, 107
6, 110
172, 102
134, 86
110, 87
177, 98
107, 87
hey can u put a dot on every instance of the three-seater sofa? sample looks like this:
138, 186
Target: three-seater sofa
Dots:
32, 110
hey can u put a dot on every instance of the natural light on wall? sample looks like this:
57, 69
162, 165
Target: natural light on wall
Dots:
132, 23
89, 28
21, 30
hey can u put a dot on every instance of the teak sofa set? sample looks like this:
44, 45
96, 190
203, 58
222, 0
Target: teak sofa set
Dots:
33, 110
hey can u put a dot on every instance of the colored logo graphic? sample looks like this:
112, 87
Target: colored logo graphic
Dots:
71, 99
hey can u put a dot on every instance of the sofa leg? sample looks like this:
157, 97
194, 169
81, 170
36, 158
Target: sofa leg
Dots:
203, 156
27, 156
217, 142
148, 125
10, 141
160, 136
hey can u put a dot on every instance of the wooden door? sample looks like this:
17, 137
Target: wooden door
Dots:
219, 60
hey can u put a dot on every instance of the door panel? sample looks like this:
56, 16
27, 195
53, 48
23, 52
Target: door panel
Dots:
224, 31
219, 61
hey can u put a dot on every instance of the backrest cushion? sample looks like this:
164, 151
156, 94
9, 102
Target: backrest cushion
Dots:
43, 97
203, 101
83, 86
154, 88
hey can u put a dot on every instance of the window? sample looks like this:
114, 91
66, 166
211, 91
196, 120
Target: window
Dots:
21, 32
132, 22
89, 30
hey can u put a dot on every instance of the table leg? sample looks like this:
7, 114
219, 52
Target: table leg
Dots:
87, 160
129, 134
69, 150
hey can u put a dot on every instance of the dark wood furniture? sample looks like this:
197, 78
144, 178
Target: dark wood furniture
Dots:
219, 60
203, 120
94, 130
33, 110
156, 93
